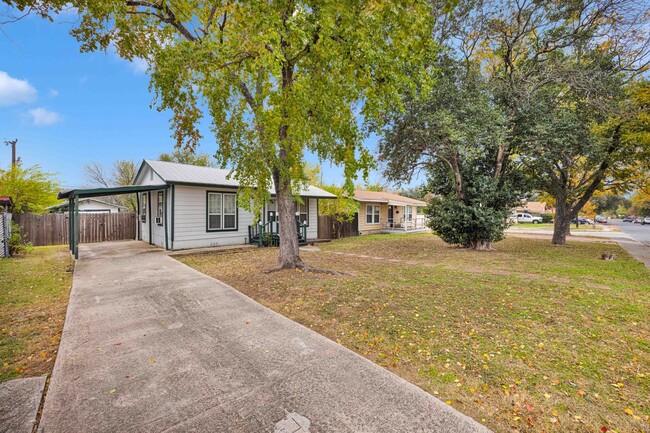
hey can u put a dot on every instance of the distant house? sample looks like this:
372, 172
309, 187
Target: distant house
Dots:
381, 211
90, 205
535, 207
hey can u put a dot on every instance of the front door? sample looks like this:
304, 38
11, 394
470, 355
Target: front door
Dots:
390, 216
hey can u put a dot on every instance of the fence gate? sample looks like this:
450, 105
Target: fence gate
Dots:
331, 228
52, 229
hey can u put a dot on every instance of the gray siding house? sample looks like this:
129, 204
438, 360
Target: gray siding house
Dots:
197, 207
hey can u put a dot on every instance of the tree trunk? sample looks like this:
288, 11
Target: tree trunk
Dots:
289, 257
562, 222
481, 245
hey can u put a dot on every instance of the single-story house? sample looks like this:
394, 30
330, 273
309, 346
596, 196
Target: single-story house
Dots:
188, 206
90, 205
381, 211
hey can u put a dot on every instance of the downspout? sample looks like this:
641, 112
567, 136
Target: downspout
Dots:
149, 216
172, 212
165, 219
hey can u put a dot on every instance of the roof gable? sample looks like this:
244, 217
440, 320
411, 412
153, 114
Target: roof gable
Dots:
385, 197
175, 173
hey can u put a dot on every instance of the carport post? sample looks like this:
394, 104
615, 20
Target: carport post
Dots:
76, 227
70, 224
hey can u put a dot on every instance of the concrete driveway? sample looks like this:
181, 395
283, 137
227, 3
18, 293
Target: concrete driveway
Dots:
151, 345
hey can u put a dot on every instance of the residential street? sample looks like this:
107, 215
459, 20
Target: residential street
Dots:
639, 232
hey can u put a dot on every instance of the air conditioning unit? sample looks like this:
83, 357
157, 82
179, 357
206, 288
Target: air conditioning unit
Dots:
159, 220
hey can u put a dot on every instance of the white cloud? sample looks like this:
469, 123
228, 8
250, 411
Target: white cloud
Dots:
53, 93
15, 91
43, 117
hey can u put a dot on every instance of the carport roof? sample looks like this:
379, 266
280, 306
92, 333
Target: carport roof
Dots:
100, 192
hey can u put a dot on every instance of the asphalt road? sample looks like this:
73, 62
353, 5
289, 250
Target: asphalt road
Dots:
639, 232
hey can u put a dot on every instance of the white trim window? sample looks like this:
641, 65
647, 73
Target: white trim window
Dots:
408, 213
143, 207
229, 212
372, 214
303, 211
221, 211
159, 208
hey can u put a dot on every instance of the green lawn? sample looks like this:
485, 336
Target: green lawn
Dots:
530, 337
34, 293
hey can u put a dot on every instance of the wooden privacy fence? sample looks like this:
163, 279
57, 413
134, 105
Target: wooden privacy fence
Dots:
331, 228
52, 228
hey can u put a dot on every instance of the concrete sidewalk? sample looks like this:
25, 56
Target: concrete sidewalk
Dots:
151, 345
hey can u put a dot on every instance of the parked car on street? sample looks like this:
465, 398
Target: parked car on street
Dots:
645, 220
628, 219
601, 219
581, 220
528, 218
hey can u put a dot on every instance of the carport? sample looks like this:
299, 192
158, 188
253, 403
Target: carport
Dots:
73, 196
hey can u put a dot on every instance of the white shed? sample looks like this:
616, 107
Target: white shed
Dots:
91, 205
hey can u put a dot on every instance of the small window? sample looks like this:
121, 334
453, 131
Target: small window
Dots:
143, 210
214, 211
409, 213
221, 211
303, 212
159, 209
229, 211
372, 214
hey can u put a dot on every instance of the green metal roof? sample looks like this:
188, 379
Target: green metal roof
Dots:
100, 192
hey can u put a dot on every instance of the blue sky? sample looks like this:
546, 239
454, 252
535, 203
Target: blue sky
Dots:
68, 109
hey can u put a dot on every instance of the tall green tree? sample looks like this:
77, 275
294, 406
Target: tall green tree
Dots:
185, 155
577, 146
30, 188
276, 78
524, 50
454, 133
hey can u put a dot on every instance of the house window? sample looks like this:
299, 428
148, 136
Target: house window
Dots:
222, 211
303, 211
143, 210
159, 209
372, 214
229, 211
409, 213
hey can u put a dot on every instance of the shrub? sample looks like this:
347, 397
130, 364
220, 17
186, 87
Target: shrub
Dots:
547, 217
18, 244
470, 226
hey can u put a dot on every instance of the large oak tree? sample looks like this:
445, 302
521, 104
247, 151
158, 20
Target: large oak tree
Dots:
276, 78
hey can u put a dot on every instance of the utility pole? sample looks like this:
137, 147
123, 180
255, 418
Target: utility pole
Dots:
12, 143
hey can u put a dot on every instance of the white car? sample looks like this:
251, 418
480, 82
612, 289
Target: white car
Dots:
528, 218
645, 220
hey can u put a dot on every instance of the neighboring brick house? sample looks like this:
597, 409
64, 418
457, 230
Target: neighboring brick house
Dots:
381, 211
536, 207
